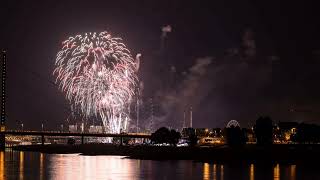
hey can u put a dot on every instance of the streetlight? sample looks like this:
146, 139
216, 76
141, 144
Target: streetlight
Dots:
42, 126
22, 126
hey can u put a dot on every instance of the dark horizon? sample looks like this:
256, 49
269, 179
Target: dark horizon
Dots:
206, 62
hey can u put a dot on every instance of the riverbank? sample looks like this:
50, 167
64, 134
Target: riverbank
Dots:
286, 153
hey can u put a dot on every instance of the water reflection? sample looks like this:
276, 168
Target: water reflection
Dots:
2, 160
215, 175
252, 172
276, 172
73, 166
41, 166
206, 171
221, 172
293, 172
214, 172
26, 165
21, 165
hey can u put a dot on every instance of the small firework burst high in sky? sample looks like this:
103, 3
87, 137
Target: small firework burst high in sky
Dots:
98, 76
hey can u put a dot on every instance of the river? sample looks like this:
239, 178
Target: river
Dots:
32, 165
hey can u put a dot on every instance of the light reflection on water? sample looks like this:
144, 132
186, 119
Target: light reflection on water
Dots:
276, 172
41, 166
26, 165
251, 171
206, 171
2, 167
207, 174
221, 172
293, 172
21, 165
214, 172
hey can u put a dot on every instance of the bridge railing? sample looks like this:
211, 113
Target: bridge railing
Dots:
66, 133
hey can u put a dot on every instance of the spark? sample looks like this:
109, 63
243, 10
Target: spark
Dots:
98, 76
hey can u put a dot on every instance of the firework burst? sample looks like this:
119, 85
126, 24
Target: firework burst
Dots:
98, 76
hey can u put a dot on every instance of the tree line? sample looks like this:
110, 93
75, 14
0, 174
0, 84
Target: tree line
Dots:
263, 130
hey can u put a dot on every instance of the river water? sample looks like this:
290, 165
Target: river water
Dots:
33, 166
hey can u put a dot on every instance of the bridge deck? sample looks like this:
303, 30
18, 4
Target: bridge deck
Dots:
58, 133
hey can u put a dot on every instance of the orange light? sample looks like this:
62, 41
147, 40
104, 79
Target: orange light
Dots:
214, 172
21, 165
206, 171
41, 168
2, 161
276, 172
221, 172
252, 172
293, 172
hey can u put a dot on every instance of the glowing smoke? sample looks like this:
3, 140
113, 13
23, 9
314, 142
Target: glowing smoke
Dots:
165, 30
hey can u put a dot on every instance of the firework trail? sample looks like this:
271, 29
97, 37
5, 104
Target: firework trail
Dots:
98, 76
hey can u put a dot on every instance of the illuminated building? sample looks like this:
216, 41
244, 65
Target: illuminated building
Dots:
284, 131
95, 129
206, 136
73, 128
250, 135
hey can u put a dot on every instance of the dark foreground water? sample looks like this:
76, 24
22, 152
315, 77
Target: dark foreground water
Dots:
28, 165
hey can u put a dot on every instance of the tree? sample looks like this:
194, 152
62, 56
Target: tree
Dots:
264, 130
164, 135
307, 133
192, 139
174, 137
234, 136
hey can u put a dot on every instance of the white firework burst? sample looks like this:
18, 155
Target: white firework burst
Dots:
98, 75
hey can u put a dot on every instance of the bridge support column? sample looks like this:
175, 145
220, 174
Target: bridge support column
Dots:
82, 139
42, 140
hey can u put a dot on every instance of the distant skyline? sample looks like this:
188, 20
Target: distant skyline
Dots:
207, 62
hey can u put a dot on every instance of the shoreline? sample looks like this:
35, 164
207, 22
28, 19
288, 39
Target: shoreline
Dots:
280, 153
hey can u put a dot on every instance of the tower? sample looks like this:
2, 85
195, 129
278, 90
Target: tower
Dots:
138, 110
184, 119
3, 100
3, 91
191, 116
151, 115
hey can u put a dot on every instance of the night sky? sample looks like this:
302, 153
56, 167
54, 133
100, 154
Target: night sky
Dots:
205, 62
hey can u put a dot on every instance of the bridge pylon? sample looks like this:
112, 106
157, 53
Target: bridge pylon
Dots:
3, 101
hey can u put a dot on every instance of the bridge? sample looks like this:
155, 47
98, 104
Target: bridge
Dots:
42, 134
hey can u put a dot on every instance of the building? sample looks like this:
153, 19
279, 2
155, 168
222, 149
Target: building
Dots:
210, 141
206, 136
73, 128
95, 129
249, 135
284, 131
